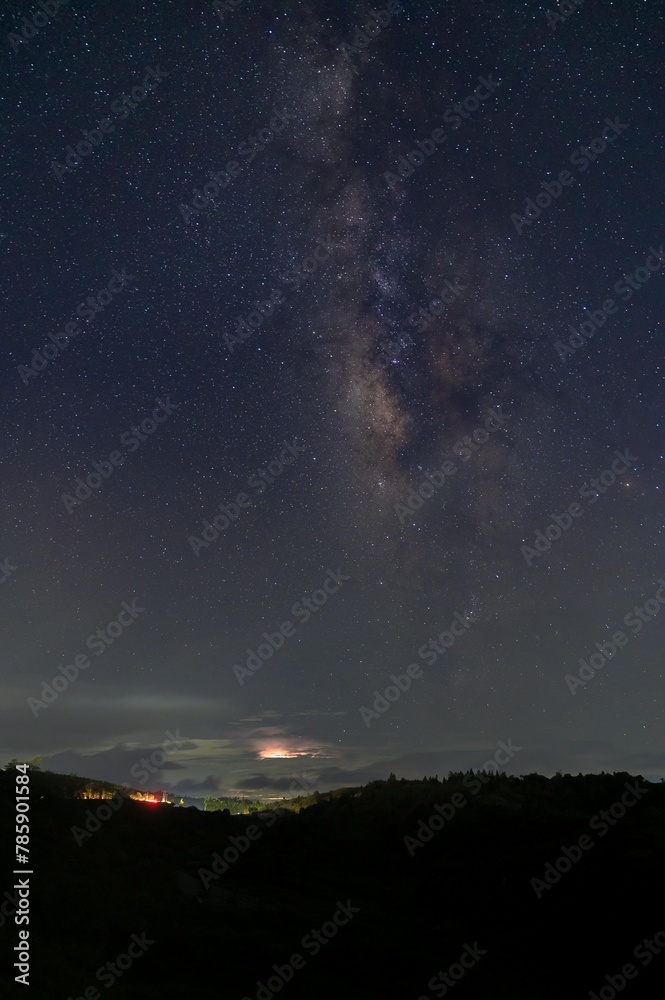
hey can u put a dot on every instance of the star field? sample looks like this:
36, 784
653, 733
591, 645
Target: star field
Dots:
339, 358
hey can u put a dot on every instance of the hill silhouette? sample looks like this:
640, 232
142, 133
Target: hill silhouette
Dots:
398, 878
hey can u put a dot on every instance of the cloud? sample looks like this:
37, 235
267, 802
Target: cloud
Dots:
259, 782
209, 784
114, 764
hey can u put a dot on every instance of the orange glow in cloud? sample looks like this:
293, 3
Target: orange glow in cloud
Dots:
273, 743
274, 752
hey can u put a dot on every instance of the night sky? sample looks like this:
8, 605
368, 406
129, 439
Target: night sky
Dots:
268, 300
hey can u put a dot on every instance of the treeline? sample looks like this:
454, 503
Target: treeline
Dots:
538, 873
66, 786
233, 804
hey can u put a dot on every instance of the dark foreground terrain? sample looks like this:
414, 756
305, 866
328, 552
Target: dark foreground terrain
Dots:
333, 902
